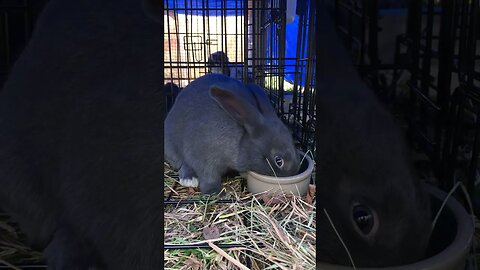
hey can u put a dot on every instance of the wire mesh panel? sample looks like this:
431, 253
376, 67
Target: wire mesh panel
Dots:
462, 143
246, 40
196, 30
370, 29
439, 53
251, 41
301, 99
359, 20
439, 50
351, 21
429, 48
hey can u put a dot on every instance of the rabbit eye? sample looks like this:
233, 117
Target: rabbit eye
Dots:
363, 218
279, 161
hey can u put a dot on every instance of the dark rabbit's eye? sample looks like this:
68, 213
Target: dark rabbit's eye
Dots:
279, 161
364, 218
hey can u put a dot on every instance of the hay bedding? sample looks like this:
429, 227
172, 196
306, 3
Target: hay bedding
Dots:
13, 251
274, 233
274, 236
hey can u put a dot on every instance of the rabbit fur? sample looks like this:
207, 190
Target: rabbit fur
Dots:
80, 136
365, 180
219, 124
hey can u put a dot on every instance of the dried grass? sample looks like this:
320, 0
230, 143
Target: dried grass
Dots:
274, 233
12, 249
272, 236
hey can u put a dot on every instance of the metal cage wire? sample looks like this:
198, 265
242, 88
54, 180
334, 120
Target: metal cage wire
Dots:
251, 37
439, 55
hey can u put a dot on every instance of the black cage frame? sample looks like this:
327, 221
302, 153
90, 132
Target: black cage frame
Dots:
258, 51
438, 54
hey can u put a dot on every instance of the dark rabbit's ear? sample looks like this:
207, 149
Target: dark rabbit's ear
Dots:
264, 103
238, 108
153, 9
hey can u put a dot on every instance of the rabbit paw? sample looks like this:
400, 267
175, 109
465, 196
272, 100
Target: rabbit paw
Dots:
189, 182
188, 178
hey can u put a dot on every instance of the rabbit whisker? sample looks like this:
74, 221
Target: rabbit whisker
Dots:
276, 178
271, 167
298, 189
306, 153
469, 202
339, 237
470, 205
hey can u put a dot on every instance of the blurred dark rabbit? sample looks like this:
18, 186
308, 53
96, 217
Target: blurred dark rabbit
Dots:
364, 176
80, 136
170, 91
218, 63
219, 124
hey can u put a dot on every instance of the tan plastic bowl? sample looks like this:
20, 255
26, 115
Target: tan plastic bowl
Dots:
450, 257
297, 184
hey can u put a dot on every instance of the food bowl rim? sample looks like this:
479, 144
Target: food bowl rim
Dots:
286, 179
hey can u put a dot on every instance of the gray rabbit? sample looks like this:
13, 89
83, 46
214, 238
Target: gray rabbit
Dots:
219, 124
364, 177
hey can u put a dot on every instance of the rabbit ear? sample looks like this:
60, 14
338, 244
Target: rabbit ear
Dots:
238, 108
263, 103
